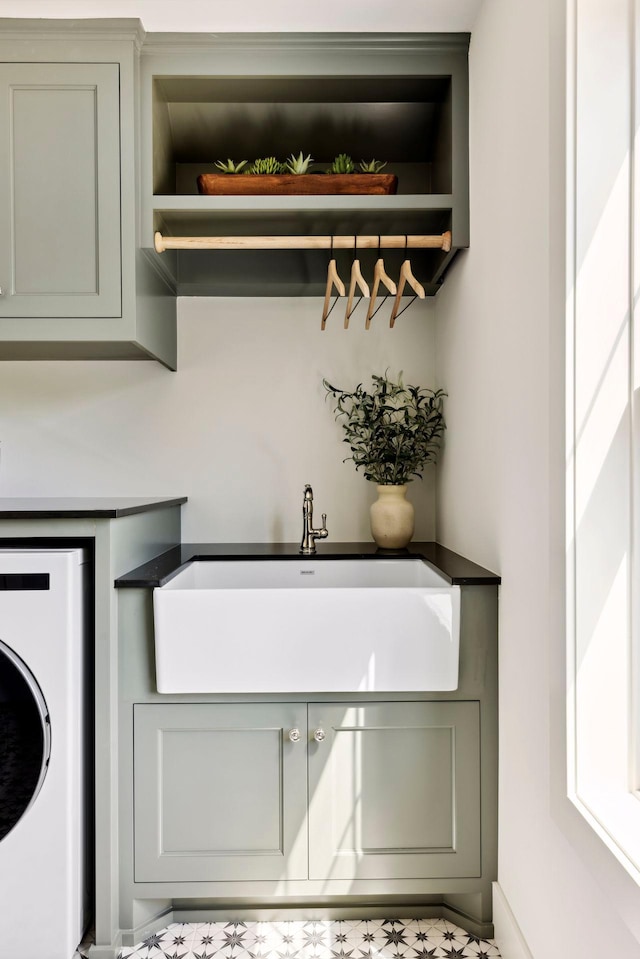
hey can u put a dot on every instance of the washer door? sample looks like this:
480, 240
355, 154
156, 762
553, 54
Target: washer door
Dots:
25, 739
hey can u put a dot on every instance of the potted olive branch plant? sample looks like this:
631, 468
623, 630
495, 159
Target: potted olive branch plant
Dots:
393, 432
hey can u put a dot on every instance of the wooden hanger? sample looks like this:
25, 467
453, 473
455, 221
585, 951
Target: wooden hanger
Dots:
332, 280
358, 280
379, 276
406, 276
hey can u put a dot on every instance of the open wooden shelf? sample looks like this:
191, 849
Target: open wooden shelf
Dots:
400, 99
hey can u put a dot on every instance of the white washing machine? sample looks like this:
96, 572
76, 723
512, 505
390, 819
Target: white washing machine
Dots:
43, 735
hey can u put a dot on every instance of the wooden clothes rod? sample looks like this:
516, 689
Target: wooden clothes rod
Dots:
348, 242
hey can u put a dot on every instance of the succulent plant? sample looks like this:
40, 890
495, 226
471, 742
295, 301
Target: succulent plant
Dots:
230, 166
266, 165
342, 164
298, 164
372, 166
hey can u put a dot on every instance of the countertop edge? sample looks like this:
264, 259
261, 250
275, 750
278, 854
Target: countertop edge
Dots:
160, 570
86, 509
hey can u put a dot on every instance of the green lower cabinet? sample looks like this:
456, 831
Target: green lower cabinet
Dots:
227, 792
394, 791
220, 792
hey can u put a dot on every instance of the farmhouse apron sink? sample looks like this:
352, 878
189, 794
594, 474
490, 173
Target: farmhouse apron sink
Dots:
304, 626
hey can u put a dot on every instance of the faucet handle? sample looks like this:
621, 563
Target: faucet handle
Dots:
324, 520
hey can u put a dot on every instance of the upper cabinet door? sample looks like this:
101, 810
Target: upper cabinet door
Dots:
60, 190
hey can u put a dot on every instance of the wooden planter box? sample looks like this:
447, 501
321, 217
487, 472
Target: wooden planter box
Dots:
288, 184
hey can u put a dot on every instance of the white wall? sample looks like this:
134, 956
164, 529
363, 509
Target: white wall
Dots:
500, 319
277, 15
239, 429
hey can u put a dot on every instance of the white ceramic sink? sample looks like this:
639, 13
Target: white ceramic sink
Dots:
253, 626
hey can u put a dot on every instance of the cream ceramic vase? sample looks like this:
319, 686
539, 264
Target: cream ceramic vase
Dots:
392, 517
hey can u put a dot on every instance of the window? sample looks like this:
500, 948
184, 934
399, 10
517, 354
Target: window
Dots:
603, 426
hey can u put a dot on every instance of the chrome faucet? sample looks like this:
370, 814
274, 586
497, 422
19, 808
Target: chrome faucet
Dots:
309, 534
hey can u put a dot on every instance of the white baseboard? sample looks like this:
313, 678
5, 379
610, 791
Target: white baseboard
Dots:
508, 936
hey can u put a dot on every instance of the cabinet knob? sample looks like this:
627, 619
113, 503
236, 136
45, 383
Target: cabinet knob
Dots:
320, 735
294, 735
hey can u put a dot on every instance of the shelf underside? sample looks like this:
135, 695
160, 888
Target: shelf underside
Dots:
313, 89
293, 272
283, 215
290, 272
332, 205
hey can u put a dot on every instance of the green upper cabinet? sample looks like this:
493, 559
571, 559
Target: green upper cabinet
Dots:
104, 131
60, 252
75, 283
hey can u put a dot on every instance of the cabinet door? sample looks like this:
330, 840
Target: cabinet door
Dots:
220, 792
60, 190
394, 791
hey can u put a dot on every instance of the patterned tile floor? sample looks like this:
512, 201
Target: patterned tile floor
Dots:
365, 939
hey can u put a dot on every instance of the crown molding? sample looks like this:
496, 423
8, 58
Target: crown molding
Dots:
129, 29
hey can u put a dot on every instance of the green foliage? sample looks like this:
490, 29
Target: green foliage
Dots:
393, 431
266, 165
342, 164
298, 164
372, 166
230, 166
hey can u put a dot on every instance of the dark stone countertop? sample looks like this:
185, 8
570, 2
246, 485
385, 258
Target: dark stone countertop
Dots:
81, 507
458, 570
